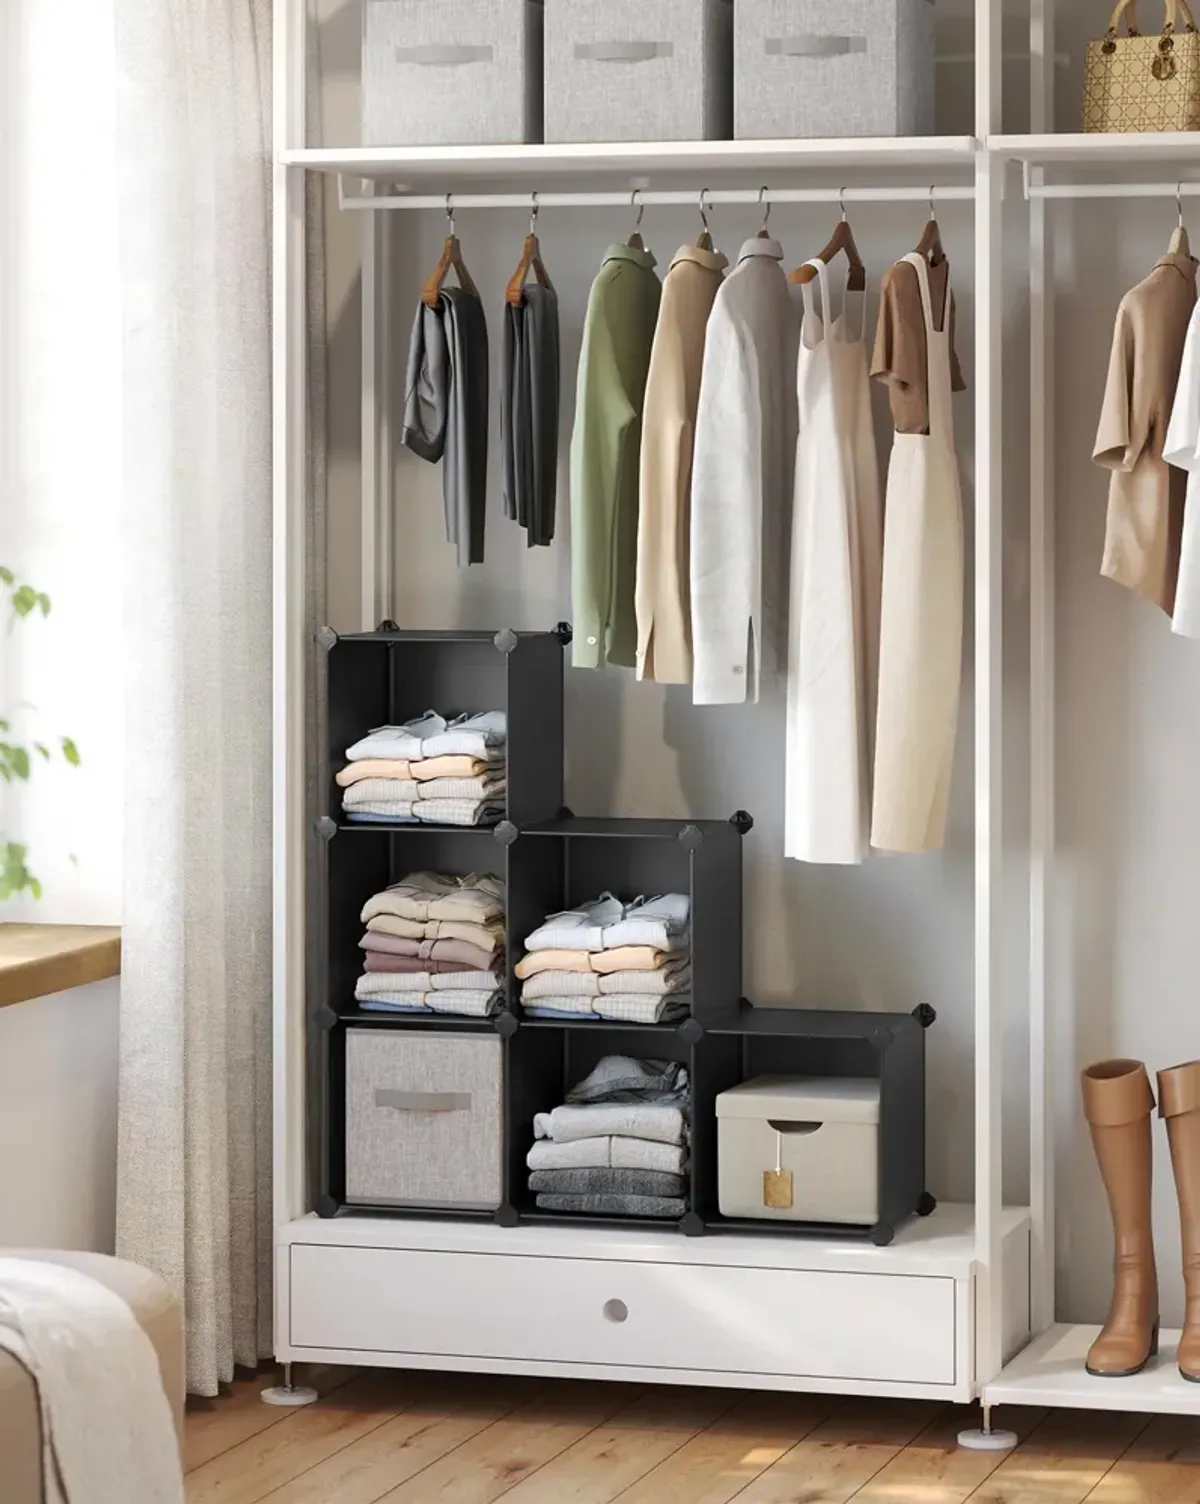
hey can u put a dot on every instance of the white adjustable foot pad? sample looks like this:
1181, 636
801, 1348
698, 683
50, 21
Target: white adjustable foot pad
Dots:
300, 1394
987, 1441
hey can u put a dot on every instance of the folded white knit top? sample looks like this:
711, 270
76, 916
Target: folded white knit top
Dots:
430, 895
605, 923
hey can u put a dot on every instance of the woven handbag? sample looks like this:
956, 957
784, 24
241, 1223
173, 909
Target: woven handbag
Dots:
1137, 83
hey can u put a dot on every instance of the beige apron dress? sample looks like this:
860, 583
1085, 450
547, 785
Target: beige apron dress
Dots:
921, 626
833, 634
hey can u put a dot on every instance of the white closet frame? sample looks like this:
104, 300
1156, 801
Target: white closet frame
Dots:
999, 1261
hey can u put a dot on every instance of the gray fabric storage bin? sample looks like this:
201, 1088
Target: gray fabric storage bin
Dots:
424, 1118
833, 68
639, 70
451, 72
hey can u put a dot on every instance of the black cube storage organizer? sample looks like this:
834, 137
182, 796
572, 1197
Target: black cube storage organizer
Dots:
560, 863
819, 1042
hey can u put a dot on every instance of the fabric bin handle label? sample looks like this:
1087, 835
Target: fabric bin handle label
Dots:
622, 52
443, 55
814, 46
423, 1101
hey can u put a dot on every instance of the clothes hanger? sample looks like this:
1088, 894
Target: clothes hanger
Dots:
764, 232
842, 239
451, 257
635, 241
930, 244
1180, 244
531, 260
704, 241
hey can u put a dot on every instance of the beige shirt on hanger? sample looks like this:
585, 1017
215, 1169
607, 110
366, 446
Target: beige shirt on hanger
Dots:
1146, 495
662, 595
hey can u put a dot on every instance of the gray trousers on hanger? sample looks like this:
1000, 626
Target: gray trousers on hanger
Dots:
529, 412
446, 410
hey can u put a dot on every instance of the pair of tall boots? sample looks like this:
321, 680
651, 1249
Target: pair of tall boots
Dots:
1118, 1103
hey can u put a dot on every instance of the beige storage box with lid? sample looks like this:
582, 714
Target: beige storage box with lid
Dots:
639, 70
424, 1118
451, 72
833, 68
800, 1149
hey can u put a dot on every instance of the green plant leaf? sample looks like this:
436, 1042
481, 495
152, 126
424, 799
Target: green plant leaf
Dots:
24, 599
70, 751
18, 759
43, 601
33, 885
43, 750
6, 575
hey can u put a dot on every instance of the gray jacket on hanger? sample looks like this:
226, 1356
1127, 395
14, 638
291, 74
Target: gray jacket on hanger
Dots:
446, 410
529, 413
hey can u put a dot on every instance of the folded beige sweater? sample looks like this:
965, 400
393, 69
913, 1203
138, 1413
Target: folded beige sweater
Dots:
623, 958
374, 767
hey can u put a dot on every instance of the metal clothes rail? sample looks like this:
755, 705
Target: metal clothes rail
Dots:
651, 197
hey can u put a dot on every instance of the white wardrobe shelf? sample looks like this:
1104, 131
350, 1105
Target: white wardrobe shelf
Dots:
1050, 1371
1099, 151
433, 167
940, 1245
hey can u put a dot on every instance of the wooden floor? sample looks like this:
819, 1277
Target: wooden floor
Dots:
412, 1438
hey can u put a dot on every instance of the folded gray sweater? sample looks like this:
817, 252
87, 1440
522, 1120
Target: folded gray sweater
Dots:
652, 1120
604, 1182
616, 1206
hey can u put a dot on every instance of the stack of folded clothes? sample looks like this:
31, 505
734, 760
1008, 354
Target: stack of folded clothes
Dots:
428, 770
434, 944
618, 1145
607, 959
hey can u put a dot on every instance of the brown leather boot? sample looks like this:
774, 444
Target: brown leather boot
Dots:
1179, 1103
1117, 1102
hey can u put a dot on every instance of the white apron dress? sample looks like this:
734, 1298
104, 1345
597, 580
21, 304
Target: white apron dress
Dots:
921, 627
835, 585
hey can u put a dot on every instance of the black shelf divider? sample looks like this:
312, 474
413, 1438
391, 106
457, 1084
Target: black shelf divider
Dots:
550, 860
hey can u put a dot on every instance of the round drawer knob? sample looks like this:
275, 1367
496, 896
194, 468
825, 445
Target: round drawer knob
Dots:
615, 1310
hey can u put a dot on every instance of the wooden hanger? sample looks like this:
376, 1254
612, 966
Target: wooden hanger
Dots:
704, 241
841, 240
1180, 244
451, 257
930, 244
531, 260
635, 241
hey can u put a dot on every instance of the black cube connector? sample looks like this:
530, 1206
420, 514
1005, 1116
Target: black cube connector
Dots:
505, 640
742, 821
882, 1234
565, 812
564, 633
507, 1024
690, 837
326, 638
326, 827
880, 1039
388, 625
691, 1031
507, 1216
325, 1018
505, 832
691, 1225
925, 1015
327, 1206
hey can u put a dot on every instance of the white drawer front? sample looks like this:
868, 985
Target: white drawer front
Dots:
808, 1323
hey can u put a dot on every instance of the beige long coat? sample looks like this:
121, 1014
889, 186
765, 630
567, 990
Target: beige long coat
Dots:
662, 595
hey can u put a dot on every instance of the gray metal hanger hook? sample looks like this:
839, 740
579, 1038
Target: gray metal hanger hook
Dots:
842, 203
533, 212
765, 204
450, 211
932, 210
1179, 202
635, 201
704, 210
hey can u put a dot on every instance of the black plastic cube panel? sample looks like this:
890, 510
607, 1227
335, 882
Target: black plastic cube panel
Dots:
387, 677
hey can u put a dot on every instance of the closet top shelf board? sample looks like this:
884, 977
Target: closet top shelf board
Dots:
441, 168
1182, 147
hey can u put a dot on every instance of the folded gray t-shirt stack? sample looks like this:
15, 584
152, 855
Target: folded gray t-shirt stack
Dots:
618, 1145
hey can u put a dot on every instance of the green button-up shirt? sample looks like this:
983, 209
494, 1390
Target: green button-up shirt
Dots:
605, 445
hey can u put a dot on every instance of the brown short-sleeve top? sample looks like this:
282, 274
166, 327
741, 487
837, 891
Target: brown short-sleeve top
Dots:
900, 358
1145, 495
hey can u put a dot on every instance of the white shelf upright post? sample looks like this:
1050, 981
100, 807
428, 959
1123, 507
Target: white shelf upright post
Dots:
989, 192
289, 439
378, 454
1041, 681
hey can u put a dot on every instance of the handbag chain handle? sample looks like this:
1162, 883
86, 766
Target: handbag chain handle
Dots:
1170, 27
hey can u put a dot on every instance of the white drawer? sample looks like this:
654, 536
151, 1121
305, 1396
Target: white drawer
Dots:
716, 1318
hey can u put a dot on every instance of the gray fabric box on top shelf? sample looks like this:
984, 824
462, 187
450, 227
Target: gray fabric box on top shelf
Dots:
451, 72
805, 68
639, 70
424, 1118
